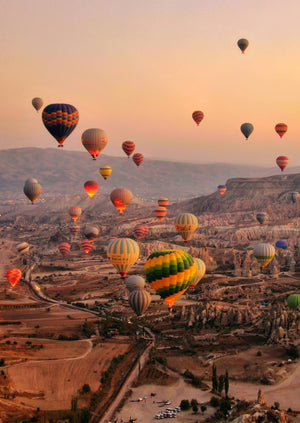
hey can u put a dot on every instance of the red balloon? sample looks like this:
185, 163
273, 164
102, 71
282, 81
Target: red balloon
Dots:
91, 188
281, 129
86, 245
128, 147
198, 116
138, 158
13, 276
160, 212
282, 162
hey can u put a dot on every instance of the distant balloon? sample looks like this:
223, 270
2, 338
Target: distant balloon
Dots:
295, 196
139, 300
74, 229
75, 213
282, 162
163, 201
264, 253
140, 231
23, 248
60, 120
222, 189
160, 212
281, 129
293, 301
86, 245
32, 189
135, 282
91, 232
121, 198
138, 158
200, 271
128, 147
94, 140
64, 248
247, 129
13, 276
186, 224
281, 243
105, 171
170, 273
37, 103
91, 188
198, 116
243, 44
261, 217
123, 253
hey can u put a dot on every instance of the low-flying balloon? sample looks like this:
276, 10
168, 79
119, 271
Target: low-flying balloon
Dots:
135, 282
282, 162
86, 245
74, 229
163, 201
139, 300
247, 129
94, 140
243, 44
295, 196
91, 232
281, 243
60, 120
123, 253
121, 198
23, 248
197, 116
32, 189
200, 271
64, 248
261, 217
13, 276
91, 188
37, 103
138, 158
140, 231
160, 212
281, 129
186, 224
128, 147
264, 253
75, 213
170, 273
293, 301
105, 171
222, 189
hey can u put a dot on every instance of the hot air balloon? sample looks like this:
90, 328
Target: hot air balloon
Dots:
105, 171
74, 229
186, 224
200, 271
295, 196
23, 248
293, 301
138, 158
264, 253
140, 231
32, 189
91, 232
128, 147
281, 243
170, 273
160, 212
282, 162
281, 129
121, 198
13, 276
75, 213
135, 282
64, 248
163, 201
261, 217
91, 188
94, 140
247, 129
123, 253
222, 189
86, 245
60, 120
197, 116
37, 103
243, 44
139, 300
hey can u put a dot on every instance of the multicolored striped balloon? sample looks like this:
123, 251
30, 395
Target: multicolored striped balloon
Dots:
91, 188
264, 253
123, 253
170, 273
74, 229
163, 201
23, 248
198, 116
160, 212
281, 129
86, 245
64, 248
60, 120
128, 147
282, 162
138, 158
94, 141
13, 276
140, 231
186, 224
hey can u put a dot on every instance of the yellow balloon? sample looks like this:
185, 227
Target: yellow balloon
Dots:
123, 253
105, 171
186, 224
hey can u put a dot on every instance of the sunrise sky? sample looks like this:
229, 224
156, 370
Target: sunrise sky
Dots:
138, 69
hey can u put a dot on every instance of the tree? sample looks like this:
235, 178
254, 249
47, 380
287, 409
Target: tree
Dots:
293, 351
214, 402
214, 378
203, 408
226, 383
221, 383
185, 405
86, 388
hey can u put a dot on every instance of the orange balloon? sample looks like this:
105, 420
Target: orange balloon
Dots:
13, 276
91, 188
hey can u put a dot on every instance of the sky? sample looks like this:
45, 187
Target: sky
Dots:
138, 69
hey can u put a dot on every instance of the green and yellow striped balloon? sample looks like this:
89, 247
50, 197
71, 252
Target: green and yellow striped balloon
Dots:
186, 224
123, 253
170, 273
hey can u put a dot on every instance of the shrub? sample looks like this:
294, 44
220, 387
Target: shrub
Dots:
86, 388
214, 402
185, 405
2, 363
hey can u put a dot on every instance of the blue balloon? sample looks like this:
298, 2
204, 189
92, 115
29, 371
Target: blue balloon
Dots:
281, 244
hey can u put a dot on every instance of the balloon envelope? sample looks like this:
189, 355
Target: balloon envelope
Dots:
91, 188
140, 231
105, 171
261, 217
160, 212
86, 245
222, 189
163, 201
75, 212
198, 116
135, 282
123, 253
121, 198
32, 189
264, 253
139, 300
138, 158
281, 129
281, 243
60, 120
293, 301
282, 162
128, 147
64, 248
247, 129
200, 271
243, 44
186, 224
37, 103
91, 232
13, 276
23, 248
94, 140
